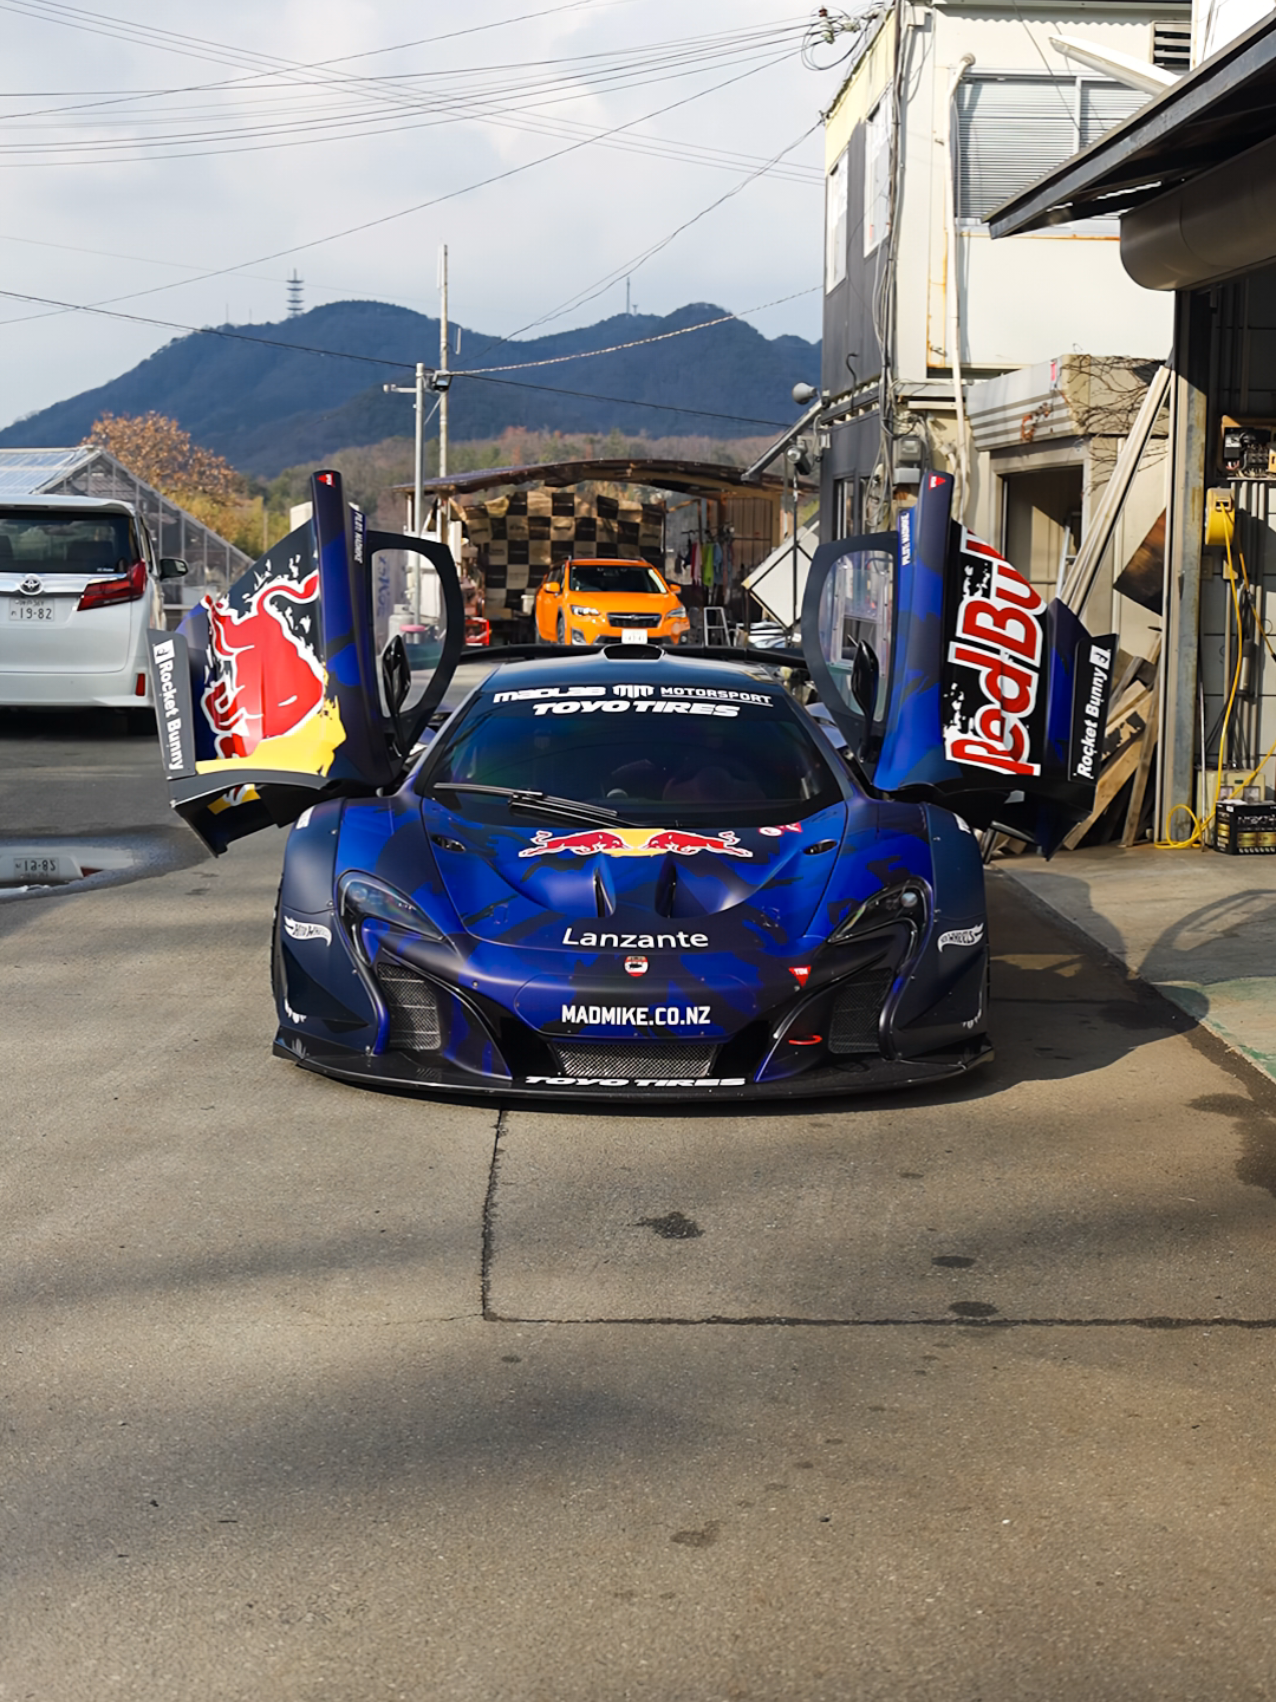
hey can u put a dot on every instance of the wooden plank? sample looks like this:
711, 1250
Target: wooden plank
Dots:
1147, 751
1133, 703
1114, 776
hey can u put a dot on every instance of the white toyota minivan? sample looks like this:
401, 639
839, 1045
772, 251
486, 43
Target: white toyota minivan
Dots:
79, 586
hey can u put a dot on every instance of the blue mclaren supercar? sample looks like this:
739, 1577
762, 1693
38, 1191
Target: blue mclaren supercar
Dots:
629, 872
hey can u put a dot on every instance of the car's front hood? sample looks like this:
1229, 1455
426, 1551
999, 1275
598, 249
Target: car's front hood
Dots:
644, 889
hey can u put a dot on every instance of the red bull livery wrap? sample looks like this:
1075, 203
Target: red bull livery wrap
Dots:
629, 873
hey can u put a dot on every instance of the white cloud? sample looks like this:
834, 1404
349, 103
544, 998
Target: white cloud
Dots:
517, 248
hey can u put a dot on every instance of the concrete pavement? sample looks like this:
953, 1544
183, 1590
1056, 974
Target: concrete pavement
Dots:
311, 1392
1197, 925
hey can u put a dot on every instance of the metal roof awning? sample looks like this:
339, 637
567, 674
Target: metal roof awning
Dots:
1223, 108
690, 478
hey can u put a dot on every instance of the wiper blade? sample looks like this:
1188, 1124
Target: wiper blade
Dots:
531, 802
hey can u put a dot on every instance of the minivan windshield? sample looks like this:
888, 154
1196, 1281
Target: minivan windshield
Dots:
628, 577
664, 755
52, 542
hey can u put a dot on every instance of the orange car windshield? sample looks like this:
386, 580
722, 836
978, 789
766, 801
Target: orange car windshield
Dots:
627, 577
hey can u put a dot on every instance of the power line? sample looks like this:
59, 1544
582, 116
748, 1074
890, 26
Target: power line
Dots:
422, 206
592, 291
629, 401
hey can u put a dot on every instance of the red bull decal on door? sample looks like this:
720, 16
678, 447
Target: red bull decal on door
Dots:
994, 656
265, 690
633, 842
269, 678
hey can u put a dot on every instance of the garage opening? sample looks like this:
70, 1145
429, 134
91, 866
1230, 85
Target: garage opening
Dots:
1041, 525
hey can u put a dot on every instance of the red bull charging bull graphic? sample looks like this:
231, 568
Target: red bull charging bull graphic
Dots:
266, 676
633, 842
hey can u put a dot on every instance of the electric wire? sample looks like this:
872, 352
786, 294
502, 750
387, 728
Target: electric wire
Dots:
406, 212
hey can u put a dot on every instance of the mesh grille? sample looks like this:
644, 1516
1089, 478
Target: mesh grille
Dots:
634, 620
414, 1009
853, 1026
653, 1063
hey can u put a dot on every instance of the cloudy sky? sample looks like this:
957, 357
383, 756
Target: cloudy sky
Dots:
177, 162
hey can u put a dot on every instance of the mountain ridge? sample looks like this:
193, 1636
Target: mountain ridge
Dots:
266, 407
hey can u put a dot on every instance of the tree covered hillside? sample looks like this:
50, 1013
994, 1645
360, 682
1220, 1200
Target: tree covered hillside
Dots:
266, 407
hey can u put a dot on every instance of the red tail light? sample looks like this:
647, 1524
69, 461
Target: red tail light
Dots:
127, 588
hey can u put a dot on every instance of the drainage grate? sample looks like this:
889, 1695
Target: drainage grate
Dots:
619, 1058
414, 1008
853, 1026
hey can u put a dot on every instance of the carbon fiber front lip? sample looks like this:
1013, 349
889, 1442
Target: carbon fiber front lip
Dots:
389, 1070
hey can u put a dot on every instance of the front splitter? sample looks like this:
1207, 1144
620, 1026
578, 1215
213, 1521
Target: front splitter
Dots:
404, 1075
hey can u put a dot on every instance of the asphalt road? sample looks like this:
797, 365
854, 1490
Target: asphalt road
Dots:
309, 1392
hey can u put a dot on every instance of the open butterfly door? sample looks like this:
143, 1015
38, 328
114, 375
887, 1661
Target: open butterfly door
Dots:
278, 692
986, 699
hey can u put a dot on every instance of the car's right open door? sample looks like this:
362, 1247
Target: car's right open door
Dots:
952, 679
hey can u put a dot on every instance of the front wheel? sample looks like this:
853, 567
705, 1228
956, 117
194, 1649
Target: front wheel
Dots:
562, 630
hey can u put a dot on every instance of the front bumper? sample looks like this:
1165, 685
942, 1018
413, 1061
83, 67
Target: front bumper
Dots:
113, 689
430, 1034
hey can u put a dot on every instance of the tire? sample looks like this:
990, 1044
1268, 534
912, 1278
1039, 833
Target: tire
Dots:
562, 630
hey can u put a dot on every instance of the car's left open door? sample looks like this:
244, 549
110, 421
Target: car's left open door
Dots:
988, 699
274, 694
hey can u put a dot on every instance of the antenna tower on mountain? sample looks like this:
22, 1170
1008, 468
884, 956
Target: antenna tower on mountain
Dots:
294, 295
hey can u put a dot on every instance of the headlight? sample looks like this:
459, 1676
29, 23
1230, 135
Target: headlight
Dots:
361, 898
677, 618
584, 609
906, 902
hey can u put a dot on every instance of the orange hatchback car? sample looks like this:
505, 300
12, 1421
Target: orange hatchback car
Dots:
587, 602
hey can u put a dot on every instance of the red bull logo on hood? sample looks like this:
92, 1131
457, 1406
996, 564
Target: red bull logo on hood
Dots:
268, 678
633, 842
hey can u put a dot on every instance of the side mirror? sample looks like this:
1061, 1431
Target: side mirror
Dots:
866, 673
172, 567
396, 673
552, 587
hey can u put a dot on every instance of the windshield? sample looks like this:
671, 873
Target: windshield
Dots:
65, 543
665, 755
628, 577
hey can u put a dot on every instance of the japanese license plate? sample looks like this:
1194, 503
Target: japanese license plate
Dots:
633, 635
21, 867
26, 609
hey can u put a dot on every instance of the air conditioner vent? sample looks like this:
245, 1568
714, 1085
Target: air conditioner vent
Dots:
1172, 45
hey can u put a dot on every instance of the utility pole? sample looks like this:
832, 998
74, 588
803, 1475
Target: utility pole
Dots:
418, 389
443, 359
436, 379
418, 491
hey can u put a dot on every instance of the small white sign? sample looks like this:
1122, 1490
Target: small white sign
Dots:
633, 635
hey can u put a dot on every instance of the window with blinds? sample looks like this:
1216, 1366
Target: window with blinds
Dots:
1012, 130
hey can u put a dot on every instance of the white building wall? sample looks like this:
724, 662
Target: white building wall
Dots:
1023, 297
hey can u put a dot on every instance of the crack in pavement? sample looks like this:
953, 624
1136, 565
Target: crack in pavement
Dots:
965, 1323
489, 1219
